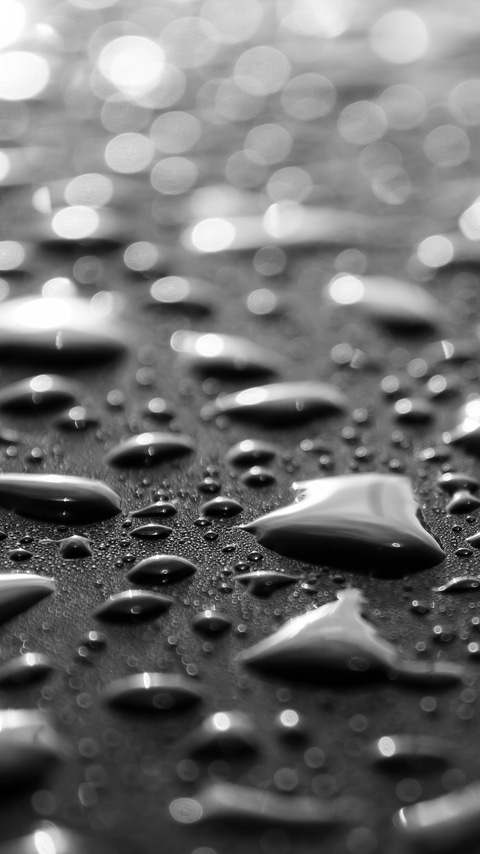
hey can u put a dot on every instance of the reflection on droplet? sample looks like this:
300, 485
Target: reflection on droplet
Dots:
12, 255
23, 75
335, 642
368, 522
152, 692
444, 823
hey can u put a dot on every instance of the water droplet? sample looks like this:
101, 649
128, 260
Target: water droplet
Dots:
151, 532
39, 393
214, 354
159, 508
444, 823
336, 642
453, 481
462, 502
413, 410
221, 508
258, 476
264, 582
193, 296
58, 498
211, 622
390, 301
459, 584
155, 692
74, 547
161, 569
249, 452
29, 748
148, 449
59, 329
159, 409
77, 418
367, 522
412, 752
19, 554
26, 669
51, 839
279, 404
225, 734
474, 540
248, 806
132, 606
19, 591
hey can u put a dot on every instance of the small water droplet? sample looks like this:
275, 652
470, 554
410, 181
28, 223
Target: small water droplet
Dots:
148, 449
279, 404
58, 498
161, 569
152, 692
151, 532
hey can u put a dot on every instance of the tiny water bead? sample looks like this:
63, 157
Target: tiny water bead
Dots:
334, 642
148, 449
152, 692
368, 522
161, 569
279, 404
132, 606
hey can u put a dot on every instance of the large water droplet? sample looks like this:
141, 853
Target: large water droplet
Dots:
193, 296
25, 669
39, 393
58, 498
211, 622
156, 692
445, 823
223, 734
161, 569
247, 806
264, 582
19, 591
60, 329
412, 752
214, 354
366, 522
48, 838
132, 606
459, 584
335, 643
279, 404
29, 748
147, 449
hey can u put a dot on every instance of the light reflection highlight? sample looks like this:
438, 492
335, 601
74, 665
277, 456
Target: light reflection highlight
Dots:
133, 64
23, 75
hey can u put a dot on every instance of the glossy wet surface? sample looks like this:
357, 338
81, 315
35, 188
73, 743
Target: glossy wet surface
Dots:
239, 253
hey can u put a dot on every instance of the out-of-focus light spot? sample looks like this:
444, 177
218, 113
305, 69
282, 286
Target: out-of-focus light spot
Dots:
12, 21
42, 201
362, 122
92, 190
175, 132
378, 155
308, 97
324, 18
392, 185
23, 75
190, 42
289, 718
141, 256
283, 219
213, 235
472, 408
234, 22
4, 289
351, 261
170, 289
269, 261
93, 4
386, 746
12, 255
242, 172
76, 222
435, 251
262, 70
222, 721
290, 183
404, 106
399, 36
447, 146
233, 103
133, 64
464, 102
469, 221
346, 290
174, 175
168, 90
263, 301
14, 119
186, 810
59, 288
44, 842
268, 143
120, 115
5, 165
129, 152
